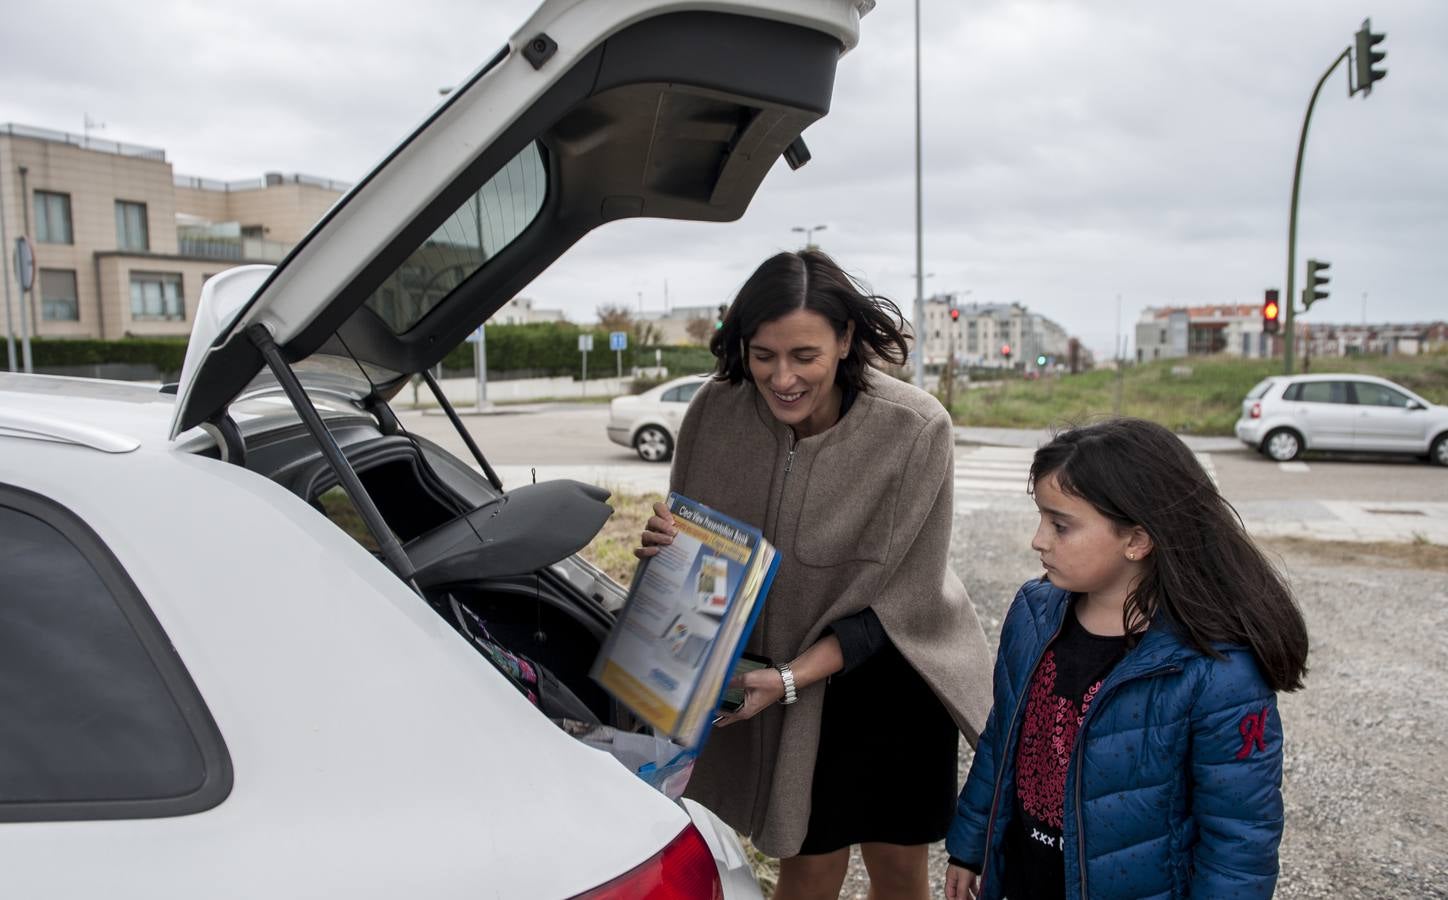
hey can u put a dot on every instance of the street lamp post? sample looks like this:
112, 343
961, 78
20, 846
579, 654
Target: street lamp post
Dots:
808, 233
919, 247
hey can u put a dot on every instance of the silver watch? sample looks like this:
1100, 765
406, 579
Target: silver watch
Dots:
789, 695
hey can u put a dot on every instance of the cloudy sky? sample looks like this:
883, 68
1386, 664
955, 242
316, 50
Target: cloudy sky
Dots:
1075, 152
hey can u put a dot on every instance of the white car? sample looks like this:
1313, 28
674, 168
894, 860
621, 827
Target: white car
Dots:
649, 422
234, 640
1286, 414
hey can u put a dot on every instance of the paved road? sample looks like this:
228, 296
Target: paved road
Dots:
1340, 498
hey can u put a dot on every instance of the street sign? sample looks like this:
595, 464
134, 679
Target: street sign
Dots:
24, 263
585, 343
618, 340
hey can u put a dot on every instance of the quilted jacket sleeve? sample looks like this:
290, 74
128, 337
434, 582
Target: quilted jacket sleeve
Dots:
1236, 769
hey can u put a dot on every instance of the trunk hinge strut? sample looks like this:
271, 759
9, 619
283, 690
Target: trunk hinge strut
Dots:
392, 550
452, 415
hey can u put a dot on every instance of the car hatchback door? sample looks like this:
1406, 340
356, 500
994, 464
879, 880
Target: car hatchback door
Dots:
1325, 413
1387, 419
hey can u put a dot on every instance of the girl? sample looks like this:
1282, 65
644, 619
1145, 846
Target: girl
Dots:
879, 661
1134, 748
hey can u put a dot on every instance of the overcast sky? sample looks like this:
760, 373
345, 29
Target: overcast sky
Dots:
1074, 151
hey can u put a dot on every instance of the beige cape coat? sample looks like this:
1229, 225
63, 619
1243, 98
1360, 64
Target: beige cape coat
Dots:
861, 515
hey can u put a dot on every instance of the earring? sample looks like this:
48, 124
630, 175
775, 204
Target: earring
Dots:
1131, 556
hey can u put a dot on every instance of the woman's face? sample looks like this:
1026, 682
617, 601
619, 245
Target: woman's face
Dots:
793, 360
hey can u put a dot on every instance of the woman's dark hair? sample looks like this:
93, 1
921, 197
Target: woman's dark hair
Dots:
809, 279
1204, 576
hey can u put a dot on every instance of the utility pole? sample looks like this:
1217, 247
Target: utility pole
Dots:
919, 246
25, 359
5, 263
1367, 58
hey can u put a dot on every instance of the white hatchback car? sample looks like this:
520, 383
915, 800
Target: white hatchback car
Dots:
1286, 414
649, 422
235, 650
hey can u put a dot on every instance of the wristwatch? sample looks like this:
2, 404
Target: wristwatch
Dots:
789, 695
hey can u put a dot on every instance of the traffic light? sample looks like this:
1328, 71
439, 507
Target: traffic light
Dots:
1368, 58
1271, 313
1006, 351
719, 322
1316, 287
955, 315
1041, 360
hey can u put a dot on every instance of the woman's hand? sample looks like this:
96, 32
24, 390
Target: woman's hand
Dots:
658, 531
961, 884
761, 688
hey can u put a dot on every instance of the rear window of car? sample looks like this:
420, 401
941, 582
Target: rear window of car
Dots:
1260, 389
489, 220
101, 719
682, 394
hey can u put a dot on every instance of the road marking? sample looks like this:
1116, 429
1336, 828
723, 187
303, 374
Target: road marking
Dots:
1000, 470
1293, 467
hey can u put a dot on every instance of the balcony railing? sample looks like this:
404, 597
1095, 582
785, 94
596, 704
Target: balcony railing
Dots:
85, 142
271, 179
234, 249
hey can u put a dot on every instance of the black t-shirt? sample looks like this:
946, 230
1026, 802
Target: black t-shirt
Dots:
1061, 692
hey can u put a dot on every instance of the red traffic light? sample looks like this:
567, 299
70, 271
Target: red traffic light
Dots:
1006, 350
955, 315
1271, 313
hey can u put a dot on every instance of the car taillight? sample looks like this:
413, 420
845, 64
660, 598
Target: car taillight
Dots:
684, 870
1256, 411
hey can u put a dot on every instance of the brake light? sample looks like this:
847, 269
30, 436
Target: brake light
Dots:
1256, 411
684, 870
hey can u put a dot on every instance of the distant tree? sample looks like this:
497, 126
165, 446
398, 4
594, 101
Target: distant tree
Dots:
646, 334
699, 330
615, 318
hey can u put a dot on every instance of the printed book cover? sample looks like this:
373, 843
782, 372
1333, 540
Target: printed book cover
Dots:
689, 611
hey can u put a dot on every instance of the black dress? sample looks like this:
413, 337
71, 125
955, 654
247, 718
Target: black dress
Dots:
888, 763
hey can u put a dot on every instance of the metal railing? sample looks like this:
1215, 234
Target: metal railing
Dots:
84, 142
271, 179
233, 249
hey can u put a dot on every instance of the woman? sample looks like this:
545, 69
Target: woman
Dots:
851, 737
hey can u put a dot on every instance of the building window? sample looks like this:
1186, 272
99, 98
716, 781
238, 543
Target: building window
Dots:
157, 295
131, 232
58, 301
52, 218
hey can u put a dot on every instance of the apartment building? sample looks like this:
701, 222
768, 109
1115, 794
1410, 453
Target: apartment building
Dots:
1170, 332
122, 243
983, 331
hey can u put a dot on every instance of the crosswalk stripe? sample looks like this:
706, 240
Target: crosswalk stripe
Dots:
1001, 469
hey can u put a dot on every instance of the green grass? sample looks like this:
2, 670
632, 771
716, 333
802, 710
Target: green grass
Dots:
1206, 401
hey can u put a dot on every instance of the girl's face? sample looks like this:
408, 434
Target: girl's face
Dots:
1083, 551
793, 360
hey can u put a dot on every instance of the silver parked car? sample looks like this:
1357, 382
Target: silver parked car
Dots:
1286, 414
649, 422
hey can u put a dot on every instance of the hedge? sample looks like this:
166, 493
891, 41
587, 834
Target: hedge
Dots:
544, 349
166, 354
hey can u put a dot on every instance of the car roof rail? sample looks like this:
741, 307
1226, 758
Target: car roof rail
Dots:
14, 423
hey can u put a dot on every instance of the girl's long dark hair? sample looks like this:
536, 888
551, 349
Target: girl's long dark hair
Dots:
1204, 576
810, 280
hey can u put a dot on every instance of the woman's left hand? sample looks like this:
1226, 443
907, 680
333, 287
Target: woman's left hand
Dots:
761, 688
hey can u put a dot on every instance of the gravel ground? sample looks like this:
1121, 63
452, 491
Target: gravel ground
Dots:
1366, 768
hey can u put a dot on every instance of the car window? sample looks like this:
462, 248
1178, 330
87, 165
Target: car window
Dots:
1369, 394
1322, 391
489, 220
688, 391
1260, 389
673, 395
101, 720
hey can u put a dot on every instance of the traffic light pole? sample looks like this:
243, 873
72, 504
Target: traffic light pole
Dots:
1290, 298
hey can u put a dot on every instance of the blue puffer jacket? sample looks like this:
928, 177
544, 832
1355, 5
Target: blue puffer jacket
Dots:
1174, 789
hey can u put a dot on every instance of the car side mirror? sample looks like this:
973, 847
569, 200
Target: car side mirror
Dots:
1415, 405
